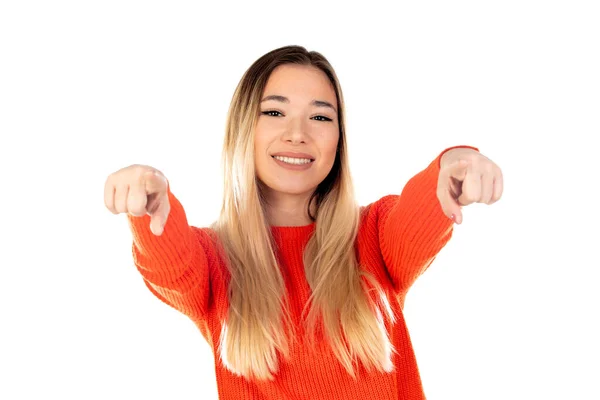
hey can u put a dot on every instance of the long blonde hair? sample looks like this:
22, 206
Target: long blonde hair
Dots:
258, 323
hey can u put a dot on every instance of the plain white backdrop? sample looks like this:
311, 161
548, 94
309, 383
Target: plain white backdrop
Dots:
508, 310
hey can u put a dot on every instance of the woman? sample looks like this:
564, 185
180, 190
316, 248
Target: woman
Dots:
298, 290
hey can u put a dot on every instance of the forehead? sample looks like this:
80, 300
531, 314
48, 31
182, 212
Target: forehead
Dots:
300, 80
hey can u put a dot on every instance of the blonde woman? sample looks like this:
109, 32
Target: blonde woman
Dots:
297, 289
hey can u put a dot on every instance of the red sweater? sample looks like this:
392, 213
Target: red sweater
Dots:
399, 237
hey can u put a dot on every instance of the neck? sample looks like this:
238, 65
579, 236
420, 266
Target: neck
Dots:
286, 209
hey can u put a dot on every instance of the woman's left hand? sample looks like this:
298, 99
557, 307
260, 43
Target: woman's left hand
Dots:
466, 176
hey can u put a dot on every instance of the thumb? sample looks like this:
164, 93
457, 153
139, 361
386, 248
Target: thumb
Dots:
158, 207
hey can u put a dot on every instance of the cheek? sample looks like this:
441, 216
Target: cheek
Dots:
261, 157
329, 147
260, 142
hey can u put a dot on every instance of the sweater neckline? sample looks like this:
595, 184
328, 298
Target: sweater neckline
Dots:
293, 232
291, 228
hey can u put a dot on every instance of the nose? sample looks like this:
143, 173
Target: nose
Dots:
296, 131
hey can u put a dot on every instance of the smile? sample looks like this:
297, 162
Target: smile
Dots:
293, 160
293, 163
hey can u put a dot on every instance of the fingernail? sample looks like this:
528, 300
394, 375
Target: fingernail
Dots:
453, 217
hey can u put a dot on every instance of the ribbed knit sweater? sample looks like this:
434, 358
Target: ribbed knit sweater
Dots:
399, 237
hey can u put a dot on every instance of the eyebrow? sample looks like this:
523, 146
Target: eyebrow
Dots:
316, 103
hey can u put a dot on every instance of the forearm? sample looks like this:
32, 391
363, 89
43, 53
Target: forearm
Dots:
173, 265
414, 229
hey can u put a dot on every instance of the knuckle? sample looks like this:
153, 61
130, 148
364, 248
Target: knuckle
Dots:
140, 170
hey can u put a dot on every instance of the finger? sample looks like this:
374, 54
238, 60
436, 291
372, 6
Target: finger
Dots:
157, 206
487, 188
455, 209
121, 193
137, 198
109, 196
450, 206
471, 188
159, 218
454, 172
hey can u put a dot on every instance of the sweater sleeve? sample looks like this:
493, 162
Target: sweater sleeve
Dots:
173, 265
412, 227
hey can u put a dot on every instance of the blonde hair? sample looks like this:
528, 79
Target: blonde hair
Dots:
258, 323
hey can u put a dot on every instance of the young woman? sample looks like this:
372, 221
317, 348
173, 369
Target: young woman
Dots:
298, 290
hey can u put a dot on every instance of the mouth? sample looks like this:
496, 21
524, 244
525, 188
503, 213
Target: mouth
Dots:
302, 157
293, 161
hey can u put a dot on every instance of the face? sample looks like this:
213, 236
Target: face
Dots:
298, 116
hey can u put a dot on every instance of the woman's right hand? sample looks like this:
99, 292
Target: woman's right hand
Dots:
139, 190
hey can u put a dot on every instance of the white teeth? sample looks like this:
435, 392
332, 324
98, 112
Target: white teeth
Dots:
289, 160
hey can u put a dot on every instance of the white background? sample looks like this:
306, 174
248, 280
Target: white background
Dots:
509, 309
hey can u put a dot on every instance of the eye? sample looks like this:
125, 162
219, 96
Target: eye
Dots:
274, 113
271, 112
325, 119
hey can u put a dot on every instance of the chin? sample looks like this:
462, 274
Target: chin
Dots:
291, 188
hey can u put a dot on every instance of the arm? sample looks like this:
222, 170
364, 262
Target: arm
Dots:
173, 265
412, 227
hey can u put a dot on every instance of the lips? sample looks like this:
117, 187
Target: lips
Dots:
293, 155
